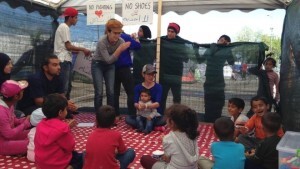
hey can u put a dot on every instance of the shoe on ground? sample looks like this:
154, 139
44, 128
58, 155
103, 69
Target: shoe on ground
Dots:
160, 128
139, 130
146, 132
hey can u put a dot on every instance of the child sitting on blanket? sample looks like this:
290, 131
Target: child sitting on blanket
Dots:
13, 131
226, 153
265, 155
54, 141
180, 145
35, 118
235, 108
105, 147
260, 106
146, 116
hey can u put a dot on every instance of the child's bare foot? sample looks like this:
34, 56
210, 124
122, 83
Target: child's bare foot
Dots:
69, 167
118, 118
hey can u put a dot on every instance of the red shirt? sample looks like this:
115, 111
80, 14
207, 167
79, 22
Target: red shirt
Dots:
101, 148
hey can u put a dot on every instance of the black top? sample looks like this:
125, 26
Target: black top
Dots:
40, 86
266, 154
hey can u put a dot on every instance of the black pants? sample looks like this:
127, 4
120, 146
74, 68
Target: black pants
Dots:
176, 91
214, 103
124, 76
77, 160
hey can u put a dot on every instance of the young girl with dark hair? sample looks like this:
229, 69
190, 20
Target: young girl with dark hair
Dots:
180, 145
144, 32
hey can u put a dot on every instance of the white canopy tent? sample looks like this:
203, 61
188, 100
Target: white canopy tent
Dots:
179, 6
183, 6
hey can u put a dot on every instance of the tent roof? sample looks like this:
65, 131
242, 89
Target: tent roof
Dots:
200, 6
54, 4
50, 7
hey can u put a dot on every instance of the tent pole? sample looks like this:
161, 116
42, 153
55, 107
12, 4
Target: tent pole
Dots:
159, 13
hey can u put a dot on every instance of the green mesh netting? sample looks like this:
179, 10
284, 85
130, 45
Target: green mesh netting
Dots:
203, 76
290, 68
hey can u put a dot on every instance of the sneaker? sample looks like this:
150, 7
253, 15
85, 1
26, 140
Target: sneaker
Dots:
139, 130
146, 132
160, 128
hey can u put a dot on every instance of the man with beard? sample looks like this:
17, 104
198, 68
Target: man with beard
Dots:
42, 84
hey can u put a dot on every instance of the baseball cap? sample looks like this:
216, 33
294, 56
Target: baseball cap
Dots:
70, 12
148, 68
11, 88
36, 116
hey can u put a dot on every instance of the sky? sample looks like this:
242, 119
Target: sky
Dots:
207, 28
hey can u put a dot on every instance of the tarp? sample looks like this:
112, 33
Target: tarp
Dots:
30, 7
290, 69
200, 6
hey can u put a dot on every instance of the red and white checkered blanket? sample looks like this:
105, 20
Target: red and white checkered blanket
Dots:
142, 144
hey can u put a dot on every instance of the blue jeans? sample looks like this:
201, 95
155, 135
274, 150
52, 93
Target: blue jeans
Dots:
66, 74
100, 71
141, 123
126, 158
131, 120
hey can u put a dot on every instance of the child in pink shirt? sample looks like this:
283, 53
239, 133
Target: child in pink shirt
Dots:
54, 142
13, 131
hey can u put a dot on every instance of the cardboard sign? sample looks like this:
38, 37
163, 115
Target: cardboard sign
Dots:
137, 12
99, 12
83, 65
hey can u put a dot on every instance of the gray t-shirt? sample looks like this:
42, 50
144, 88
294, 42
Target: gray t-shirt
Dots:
104, 50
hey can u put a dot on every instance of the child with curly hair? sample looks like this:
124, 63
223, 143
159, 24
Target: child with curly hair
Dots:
180, 145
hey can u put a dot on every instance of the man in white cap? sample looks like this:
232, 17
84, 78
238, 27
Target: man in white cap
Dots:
63, 47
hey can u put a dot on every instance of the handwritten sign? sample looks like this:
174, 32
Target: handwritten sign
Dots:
99, 12
136, 12
83, 65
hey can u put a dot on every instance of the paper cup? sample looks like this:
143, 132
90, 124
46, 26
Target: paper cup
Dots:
157, 154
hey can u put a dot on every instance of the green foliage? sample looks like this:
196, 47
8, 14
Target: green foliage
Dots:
249, 35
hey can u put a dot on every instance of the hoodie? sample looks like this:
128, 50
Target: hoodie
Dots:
182, 150
54, 144
13, 131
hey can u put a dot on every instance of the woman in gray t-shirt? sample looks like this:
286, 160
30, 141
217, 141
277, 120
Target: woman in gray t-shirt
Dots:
108, 50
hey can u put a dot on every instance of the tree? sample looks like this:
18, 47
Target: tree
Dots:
274, 42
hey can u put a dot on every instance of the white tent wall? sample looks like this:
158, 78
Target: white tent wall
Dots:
200, 6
